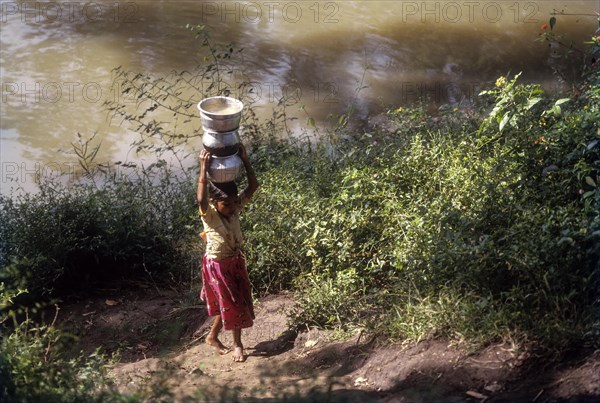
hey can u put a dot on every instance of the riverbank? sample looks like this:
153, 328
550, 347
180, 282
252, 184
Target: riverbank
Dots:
474, 229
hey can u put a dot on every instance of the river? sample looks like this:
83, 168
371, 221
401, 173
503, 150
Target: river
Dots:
56, 60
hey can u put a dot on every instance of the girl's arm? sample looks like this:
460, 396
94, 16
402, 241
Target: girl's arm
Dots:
252, 181
204, 159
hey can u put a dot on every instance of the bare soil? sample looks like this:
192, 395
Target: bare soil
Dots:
162, 352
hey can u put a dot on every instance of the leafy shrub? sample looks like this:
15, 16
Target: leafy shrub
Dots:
63, 239
480, 231
332, 301
35, 364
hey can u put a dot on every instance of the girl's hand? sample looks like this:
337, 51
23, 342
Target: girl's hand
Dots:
204, 158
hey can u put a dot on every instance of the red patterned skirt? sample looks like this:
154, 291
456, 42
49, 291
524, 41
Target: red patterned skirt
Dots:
226, 291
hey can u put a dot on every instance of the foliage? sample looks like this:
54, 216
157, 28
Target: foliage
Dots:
332, 301
35, 364
62, 240
479, 233
476, 230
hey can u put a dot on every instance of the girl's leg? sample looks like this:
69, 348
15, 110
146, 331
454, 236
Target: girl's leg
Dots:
238, 348
213, 336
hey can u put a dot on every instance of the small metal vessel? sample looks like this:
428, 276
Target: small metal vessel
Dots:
220, 114
224, 169
221, 144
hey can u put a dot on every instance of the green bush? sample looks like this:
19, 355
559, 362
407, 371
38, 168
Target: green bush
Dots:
61, 240
467, 228
36, 363
333, 301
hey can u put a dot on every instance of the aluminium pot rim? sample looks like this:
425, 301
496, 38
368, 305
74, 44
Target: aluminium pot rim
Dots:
228, 101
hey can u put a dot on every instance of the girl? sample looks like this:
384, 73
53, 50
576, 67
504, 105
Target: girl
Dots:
226, 287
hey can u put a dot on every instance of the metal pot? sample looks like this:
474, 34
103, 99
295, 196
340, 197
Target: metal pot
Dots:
224, 169
220, 114
221, 144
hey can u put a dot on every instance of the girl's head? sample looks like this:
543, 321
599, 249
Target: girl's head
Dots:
224, 196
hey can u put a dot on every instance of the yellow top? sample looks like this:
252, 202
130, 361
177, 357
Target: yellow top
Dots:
223, 234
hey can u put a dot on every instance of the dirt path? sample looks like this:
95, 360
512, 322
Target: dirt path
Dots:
163, 354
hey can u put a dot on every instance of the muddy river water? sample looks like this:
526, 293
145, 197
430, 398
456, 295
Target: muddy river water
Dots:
56, 59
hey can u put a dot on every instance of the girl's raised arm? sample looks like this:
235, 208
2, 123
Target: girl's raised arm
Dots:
204, 159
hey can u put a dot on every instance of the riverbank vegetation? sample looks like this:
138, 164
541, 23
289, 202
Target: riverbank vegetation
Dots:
477, 226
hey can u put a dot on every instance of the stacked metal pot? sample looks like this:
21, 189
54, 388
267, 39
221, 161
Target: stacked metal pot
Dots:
220, 118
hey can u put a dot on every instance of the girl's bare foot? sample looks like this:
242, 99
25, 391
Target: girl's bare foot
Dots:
238, 354
216, 343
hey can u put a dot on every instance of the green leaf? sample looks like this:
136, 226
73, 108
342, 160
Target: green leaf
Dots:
504, 121
556, 110
494, 111
562, 101
532, 102
590, 181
